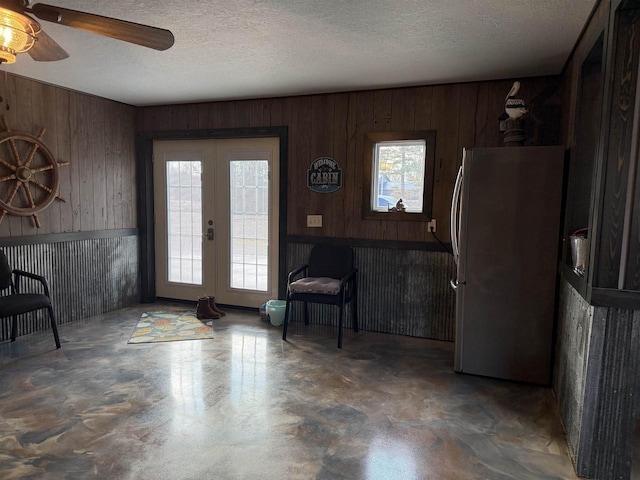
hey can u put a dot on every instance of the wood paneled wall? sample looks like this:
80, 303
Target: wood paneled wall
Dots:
97, 137
463, 115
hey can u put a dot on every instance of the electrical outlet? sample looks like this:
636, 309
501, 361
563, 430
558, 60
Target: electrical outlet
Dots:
431, 226
314, 221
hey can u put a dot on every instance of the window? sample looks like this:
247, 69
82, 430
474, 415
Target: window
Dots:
399, 166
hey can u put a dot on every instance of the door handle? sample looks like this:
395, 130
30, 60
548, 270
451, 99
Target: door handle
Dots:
455, 206
209, 233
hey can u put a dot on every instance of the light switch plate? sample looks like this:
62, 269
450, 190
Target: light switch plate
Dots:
314, 221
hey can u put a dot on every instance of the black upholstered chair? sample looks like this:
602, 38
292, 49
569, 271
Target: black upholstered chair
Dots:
16, 303
329, 277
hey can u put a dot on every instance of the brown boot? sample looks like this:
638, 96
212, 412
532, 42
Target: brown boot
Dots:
214, 307
204, 311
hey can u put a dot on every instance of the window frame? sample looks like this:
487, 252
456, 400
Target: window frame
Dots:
370, 141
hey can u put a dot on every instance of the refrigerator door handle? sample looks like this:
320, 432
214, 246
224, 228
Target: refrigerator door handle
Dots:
455, 204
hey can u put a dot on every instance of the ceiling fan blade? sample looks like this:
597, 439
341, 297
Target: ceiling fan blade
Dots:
46, 49
152, 37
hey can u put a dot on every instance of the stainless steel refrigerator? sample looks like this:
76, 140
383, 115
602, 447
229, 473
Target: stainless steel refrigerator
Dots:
505, 234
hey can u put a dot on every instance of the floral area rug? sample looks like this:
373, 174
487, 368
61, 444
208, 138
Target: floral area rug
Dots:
170, 326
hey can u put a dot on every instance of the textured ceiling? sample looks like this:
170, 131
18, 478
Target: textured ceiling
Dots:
234, 49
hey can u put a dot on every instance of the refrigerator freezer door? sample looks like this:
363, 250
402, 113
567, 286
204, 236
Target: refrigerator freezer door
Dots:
509, 234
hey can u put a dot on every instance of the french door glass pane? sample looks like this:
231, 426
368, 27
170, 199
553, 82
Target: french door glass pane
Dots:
184, 221
249, 184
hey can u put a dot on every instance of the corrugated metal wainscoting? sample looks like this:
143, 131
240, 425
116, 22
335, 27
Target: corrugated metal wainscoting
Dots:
597, 384
86, 277
404, 292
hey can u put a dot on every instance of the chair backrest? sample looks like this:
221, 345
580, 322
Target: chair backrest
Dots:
5, 271
333, 261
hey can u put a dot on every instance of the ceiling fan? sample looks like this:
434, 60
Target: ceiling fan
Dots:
20, 33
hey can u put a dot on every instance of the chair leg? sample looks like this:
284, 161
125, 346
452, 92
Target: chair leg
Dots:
285, 323
354, 306
54, 327
14, 328
340, 326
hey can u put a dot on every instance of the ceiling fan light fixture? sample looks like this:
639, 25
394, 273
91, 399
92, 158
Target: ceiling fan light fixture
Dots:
17, 34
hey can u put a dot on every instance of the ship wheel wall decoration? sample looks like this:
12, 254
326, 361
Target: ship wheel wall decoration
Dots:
28, 174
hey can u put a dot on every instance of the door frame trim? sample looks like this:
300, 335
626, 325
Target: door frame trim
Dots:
145, 194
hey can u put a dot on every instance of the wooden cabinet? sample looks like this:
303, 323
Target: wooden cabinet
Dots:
603, 191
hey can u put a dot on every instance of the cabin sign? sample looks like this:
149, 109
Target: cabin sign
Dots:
324, 175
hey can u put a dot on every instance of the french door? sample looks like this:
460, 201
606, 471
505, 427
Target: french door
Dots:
216, 219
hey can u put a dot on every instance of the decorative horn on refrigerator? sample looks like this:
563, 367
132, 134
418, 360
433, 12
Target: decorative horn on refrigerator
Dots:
455, 220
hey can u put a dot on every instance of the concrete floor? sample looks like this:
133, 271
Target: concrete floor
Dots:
245, 405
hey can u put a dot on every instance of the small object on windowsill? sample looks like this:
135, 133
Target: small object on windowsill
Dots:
398, 208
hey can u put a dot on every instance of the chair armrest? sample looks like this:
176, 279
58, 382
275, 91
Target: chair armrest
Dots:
348, 283
293, 273
39, 278
349, 276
